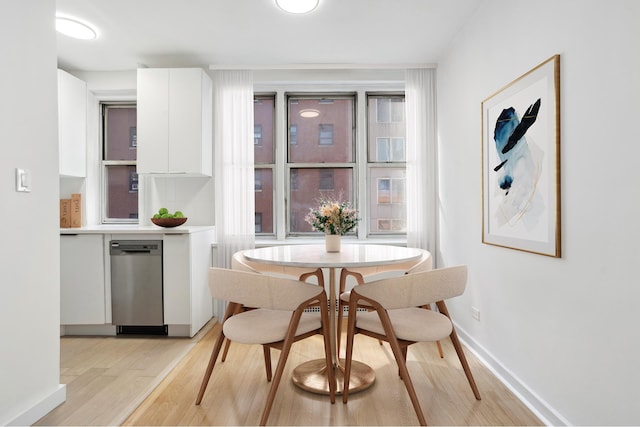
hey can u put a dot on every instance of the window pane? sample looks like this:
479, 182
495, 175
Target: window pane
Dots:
257, 134
387, 200
311, 181
326, 179
386, 123
263, 125
264, 199
323, 130
120, 138
326, 134
258, 222
122, 192
382, 113
382, 150
397, 150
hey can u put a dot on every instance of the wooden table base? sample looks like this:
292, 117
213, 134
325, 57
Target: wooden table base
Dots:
312, 376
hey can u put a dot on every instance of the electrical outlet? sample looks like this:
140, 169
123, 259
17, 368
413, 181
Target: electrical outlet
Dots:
475, 313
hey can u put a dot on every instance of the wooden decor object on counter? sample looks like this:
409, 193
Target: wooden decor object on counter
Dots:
76, 210
65, 213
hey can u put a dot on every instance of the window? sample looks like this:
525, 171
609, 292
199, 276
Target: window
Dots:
257, 186
326, 134
325, 182
390, 190
119, 154
386, 164
258, 222
389, 109
257, 134
319, 157
264, 158
321, 163
390, 149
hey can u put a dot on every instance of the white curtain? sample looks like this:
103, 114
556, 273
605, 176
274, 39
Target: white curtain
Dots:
234, 174
422, 160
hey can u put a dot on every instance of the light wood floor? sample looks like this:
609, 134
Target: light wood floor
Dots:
108, 377
238, 389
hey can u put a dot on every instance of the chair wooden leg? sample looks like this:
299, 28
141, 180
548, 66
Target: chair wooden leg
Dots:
227, 344
326, 334
339, 323
284, 353
214, 356
267, 360
237, 310
400, 355
463, 360
440, 349
404, 350
351, 326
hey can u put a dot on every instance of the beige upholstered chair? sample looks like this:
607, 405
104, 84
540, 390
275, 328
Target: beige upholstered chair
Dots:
241, 263
397, 317
277, 320
367, 274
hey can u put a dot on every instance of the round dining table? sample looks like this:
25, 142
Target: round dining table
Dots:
311, 375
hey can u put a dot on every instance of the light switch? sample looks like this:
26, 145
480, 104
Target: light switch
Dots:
23, 180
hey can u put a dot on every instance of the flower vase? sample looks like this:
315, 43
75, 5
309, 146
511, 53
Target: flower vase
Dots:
332, 242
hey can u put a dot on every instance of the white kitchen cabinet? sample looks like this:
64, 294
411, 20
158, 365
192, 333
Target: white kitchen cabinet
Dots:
82, 279
174, 110
85, 277
72, 125
188, 305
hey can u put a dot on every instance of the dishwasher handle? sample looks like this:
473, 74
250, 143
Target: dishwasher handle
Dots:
132, 251
133, 247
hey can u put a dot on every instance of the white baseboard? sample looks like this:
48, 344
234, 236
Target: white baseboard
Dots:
531, 400
41, 408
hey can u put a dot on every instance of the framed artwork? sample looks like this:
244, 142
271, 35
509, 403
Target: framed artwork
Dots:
521, 162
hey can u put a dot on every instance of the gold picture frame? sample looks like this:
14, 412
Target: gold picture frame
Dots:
521, 163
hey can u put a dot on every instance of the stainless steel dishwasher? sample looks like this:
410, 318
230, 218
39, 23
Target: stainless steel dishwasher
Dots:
136, 287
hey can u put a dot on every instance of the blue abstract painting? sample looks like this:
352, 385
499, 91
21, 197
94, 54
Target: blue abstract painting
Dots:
518, 172
520, 163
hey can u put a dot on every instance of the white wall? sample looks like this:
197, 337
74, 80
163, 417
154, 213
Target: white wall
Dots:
562, 331
30, 249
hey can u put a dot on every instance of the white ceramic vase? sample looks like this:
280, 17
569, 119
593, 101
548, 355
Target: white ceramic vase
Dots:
332, 242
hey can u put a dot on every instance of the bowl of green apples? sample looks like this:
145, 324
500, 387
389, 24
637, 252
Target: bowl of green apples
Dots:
168, 220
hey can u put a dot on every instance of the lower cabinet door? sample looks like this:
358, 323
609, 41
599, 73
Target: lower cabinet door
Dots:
82, 280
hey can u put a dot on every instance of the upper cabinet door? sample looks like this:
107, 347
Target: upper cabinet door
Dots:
72, 125
174, 121
153, 120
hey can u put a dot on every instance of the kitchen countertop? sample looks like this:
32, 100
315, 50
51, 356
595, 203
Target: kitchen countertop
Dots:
135, 229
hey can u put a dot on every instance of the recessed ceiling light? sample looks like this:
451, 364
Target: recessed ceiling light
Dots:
309, 113
74, 28
297, 6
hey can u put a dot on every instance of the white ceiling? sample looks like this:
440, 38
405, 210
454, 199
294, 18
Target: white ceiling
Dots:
255, 33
